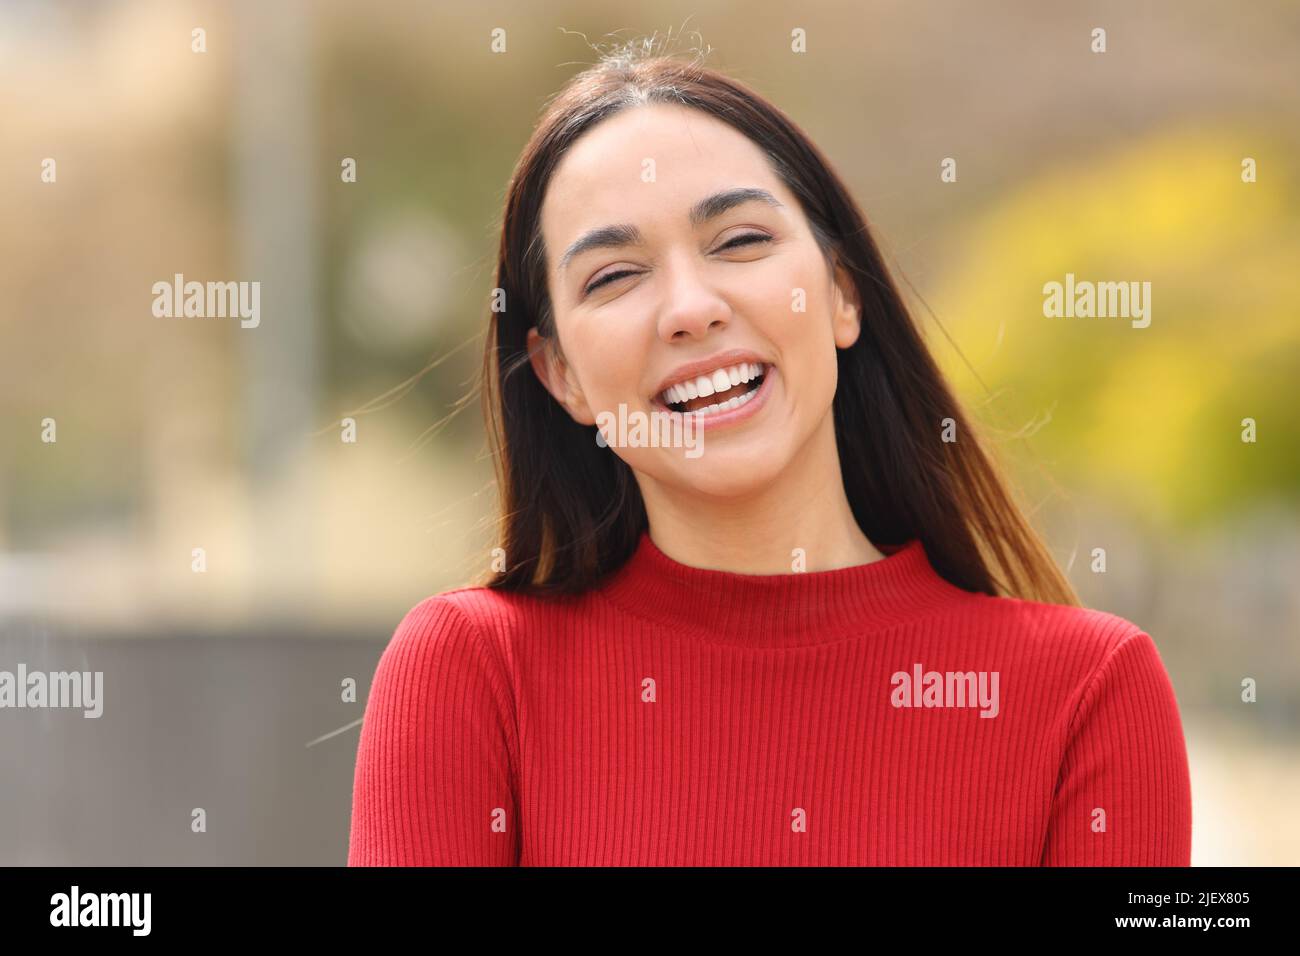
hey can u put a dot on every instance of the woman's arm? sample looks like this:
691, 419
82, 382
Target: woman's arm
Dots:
434, 775
1124, 796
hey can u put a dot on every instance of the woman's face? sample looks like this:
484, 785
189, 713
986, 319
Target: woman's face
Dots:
677, 290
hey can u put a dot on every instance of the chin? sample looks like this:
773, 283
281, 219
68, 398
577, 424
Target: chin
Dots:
728, 473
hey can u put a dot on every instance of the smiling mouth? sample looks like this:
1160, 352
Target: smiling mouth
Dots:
719, 391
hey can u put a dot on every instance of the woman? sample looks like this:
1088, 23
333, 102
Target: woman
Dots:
812, 628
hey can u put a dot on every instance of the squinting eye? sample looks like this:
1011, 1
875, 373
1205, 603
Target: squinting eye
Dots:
608, 277
732, 244
745, 240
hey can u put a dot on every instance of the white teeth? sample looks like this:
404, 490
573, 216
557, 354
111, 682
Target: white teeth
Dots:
726, 406
721, 380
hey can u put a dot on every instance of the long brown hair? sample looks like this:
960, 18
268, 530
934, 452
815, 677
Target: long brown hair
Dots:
571, 509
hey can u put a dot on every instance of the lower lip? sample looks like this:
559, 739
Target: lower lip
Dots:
733, 415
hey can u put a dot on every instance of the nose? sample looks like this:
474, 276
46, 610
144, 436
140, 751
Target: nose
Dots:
692, 308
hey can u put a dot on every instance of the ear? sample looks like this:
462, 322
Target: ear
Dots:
846, 311
557, 378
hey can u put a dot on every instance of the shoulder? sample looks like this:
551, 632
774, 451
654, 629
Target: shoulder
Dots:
1059, 629
455, 622
447, 652
1075, 651
474, 621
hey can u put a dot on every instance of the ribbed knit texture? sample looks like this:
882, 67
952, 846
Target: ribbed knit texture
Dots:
685, 716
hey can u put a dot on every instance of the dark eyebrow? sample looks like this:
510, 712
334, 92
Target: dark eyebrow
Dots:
710, 207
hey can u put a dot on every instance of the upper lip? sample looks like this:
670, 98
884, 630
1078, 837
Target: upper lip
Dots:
692, 370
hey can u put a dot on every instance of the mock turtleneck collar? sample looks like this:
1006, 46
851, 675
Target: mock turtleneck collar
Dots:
779, 610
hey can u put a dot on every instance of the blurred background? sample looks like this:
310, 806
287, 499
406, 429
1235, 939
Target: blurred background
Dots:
220, 154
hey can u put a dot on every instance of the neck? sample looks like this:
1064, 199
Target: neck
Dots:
805, 508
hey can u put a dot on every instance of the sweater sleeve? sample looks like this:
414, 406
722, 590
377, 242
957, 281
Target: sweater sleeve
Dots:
434, 782
1123, 795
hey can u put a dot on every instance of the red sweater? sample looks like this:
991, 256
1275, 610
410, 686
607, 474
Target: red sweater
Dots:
870, 715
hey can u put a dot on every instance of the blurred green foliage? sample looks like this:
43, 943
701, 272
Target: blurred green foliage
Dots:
1149, 416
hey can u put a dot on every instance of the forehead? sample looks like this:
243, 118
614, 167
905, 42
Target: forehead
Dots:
603, 177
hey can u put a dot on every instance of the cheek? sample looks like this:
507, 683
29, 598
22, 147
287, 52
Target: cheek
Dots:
798, 324
787, 293
791, 310
767, 290
609, 358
